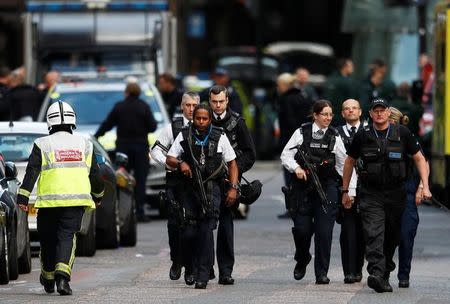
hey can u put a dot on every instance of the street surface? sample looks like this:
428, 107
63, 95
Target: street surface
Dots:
263, 271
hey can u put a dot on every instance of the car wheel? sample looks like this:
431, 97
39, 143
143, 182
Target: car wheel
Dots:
86, 243
128, 236
110, 237
4, 267
12, 253
25, 259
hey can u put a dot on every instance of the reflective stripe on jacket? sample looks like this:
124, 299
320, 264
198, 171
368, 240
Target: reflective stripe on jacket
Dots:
64, 177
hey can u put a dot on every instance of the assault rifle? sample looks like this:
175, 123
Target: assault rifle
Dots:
198, 179
311, 171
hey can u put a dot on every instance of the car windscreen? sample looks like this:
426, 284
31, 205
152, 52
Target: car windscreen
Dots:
316, 64
92, 107
17, 147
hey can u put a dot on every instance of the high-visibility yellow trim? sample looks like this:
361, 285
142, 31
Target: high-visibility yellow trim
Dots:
24, 192
89, 203
61, 267
48, 275
98, 194
72, 254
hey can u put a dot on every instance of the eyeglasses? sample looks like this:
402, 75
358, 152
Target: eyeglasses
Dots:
327, 114
351, 108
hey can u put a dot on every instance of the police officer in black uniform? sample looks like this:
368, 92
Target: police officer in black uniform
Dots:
241, 141
134, 120
324, 149
383, 148
199, 152
351, 238
173, 179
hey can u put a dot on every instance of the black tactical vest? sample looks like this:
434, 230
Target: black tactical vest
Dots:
213, 159
230, 128
384, 159
347, 139
177, 125
319, 151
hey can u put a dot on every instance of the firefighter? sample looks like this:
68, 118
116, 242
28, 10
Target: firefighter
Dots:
69, 183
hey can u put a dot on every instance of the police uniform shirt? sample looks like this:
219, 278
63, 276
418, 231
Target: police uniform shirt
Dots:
222, 116
348, 128
410, 144
223, 147
166, 139
288, 154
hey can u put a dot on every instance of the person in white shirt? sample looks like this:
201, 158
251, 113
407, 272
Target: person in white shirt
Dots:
159, 154
323, 148
351, 238
199, 152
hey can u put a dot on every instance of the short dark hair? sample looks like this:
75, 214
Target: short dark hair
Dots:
169, 78
320, 104
133, 89
203, 106
217, 89
4, 71
341, 62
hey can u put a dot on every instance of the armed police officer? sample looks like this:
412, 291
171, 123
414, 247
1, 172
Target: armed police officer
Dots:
159, 151
314, 155
240, 139
69, 182
351, 237
383, 148
199, 152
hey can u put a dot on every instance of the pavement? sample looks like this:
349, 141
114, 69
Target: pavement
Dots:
263, 270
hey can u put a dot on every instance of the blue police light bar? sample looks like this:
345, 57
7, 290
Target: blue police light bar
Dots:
74, 6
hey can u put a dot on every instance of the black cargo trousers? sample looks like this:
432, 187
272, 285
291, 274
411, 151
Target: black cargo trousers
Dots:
57, 228
381, 214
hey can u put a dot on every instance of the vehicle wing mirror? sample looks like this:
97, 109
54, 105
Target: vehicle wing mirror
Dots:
121, 159
10, 170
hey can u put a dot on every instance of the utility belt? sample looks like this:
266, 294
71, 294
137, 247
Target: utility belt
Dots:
183, 217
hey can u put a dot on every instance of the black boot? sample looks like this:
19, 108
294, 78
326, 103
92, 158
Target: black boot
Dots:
299, 271
62, 286
49, 285
175, 271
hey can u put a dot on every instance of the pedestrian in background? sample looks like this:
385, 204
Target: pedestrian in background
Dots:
410, 217
221, 77
407, 106
199, 152
351, 237
134, 120
23, 98
174, 184
171, 95
240, 139
302, 83
384, 149
340, 86
325, 151
69, 182
376, 85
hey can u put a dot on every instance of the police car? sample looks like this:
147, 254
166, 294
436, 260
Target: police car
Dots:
92, 100
110, 225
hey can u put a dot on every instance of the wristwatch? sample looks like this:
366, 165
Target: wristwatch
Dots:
179, 164
234, 186
344, 191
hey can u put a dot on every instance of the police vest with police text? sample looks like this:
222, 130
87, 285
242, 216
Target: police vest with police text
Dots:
230, 128
384, 158
319, 151
65, 166
177, 125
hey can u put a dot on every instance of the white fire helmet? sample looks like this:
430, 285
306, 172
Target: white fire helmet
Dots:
61, 113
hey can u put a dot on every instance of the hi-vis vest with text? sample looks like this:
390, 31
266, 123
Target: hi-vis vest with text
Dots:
64, 179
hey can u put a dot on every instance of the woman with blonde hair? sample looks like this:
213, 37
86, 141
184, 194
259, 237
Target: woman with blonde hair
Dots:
410, 218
